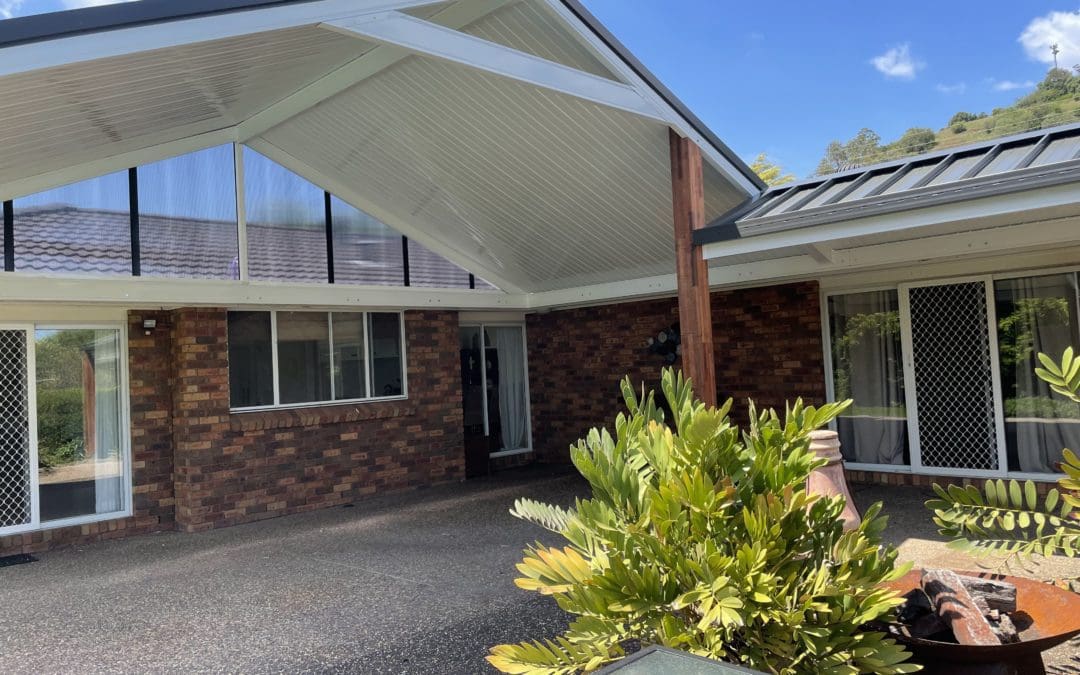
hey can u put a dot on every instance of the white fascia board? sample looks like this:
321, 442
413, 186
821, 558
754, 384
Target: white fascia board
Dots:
671, 116
430, 39
341, 189
161, 292
665, 285
1018, 202
115, 162
122, 41
457, 15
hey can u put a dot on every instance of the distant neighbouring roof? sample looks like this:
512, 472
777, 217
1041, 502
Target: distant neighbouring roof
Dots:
66, 240
998, 166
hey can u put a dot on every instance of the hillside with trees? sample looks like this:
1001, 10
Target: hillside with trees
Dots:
1055, 101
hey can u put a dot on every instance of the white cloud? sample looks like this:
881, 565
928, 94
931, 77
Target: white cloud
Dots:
1060, 28
9, 8
1009, 85
897, 62
79, 4
958, 88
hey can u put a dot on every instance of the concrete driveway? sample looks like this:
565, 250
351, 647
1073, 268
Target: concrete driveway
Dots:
420, 582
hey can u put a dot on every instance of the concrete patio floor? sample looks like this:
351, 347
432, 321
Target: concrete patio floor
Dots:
420, 582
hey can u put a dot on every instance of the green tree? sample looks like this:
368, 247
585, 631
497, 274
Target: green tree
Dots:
961, 117
861, 149
915, 141
770, 172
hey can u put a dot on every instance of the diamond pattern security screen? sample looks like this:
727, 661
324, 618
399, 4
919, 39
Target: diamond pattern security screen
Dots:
15, 488
953, 368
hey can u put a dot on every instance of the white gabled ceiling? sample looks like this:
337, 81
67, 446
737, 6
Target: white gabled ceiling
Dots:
533, 189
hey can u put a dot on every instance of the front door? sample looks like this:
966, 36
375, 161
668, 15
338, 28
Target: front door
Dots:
495, 394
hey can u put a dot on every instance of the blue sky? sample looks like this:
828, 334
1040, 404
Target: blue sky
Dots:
787, 77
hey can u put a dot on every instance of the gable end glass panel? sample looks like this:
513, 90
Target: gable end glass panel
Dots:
366, 251
429, 269
286, 223
81, 228
187, 216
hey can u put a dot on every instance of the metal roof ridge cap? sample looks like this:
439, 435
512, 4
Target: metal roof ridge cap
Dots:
955, 188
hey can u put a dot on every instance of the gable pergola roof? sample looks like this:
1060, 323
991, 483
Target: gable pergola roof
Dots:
516, 138
1016, 193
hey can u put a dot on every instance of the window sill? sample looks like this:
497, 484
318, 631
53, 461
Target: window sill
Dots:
313, 416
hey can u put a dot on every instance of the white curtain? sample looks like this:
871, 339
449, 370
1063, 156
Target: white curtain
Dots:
867, 367
1036, 314
513, 411
108, 467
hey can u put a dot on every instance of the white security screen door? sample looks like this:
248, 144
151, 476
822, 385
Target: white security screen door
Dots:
17, 466
950, 347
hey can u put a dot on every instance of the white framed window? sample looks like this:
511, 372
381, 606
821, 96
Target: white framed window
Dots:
64, 441
287, 359
942, 373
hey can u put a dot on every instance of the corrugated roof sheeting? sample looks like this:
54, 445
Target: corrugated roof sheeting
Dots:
548, 190
894, 179
95, 105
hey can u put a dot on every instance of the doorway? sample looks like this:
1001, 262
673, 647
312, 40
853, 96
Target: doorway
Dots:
495, 394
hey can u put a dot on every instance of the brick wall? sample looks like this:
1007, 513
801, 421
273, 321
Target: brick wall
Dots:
150, 378
196, 466
239, 468
768, 347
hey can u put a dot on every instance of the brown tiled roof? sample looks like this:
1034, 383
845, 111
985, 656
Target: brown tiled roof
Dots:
68, 240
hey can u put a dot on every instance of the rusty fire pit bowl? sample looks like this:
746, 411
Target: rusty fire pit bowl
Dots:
1046, 616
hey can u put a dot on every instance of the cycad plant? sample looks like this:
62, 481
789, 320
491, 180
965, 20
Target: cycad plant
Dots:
1009, 518
703, 539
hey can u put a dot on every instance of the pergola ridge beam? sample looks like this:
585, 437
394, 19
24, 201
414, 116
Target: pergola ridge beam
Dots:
123, 41
430, 39
458, 15
348, 193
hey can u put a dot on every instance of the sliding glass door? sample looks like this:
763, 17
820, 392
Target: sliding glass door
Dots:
943, 374
63, 440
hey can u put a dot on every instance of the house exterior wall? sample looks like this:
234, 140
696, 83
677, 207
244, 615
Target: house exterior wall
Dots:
196, 466
237, 468
151, 382
768, 345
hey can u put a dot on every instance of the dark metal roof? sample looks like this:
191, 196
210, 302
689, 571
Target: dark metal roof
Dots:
41, 27
997, 166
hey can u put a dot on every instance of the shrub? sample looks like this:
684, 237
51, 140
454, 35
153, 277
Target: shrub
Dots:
1009, 518
703, 539
961, 117
60, 426
959, 128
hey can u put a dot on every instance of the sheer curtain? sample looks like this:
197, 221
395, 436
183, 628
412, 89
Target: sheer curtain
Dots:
868, 368
108, 467
508, 341
1036, 314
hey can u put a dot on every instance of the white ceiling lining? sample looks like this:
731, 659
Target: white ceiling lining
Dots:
566, 189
